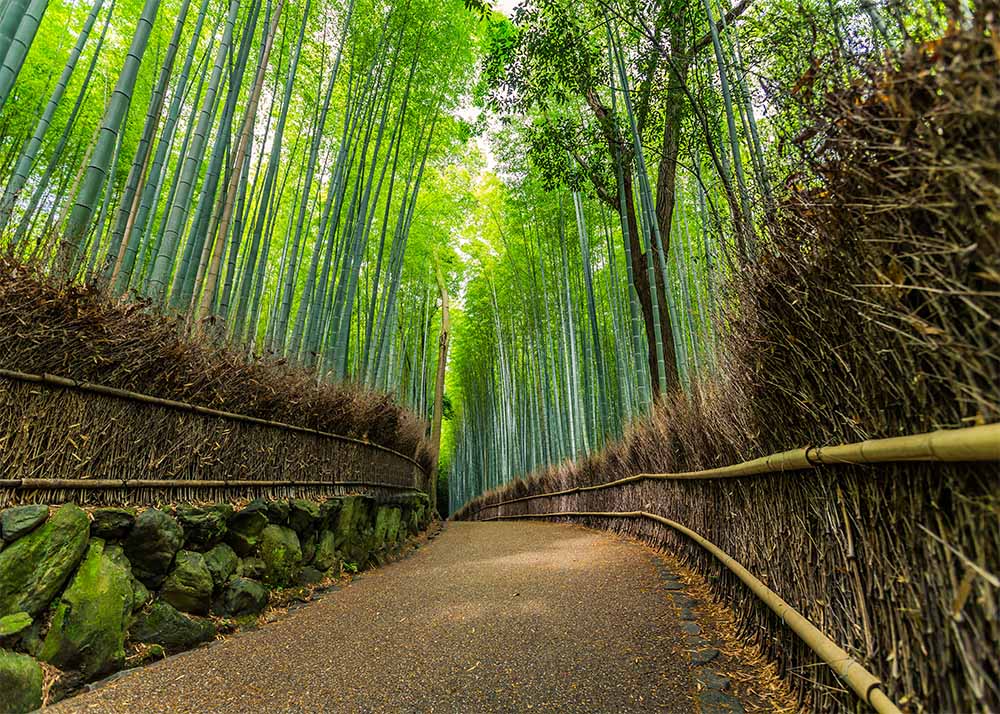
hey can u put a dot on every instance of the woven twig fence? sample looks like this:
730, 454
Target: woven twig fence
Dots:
63, 440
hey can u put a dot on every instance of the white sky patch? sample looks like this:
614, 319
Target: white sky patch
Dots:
506, 6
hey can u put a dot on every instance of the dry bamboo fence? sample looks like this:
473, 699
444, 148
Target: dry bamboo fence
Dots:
62, 439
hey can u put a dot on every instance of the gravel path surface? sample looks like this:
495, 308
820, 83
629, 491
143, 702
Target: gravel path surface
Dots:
491, 617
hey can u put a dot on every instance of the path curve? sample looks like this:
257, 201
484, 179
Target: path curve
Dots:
491, 617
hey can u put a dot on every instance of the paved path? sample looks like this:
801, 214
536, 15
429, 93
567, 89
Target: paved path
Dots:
490, 617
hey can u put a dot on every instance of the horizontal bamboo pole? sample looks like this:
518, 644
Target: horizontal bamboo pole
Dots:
66, 383
865, 684
974, 443
84, 484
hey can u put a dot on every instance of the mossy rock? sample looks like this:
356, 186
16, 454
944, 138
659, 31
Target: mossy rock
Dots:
308, 548
203, 527
34, 568
20, 683
245, 528
382, 520
164, 625
244, 597
303, 516
281, 553
387, 524
15, 624
225, 510
328, 512
152, 544
392, 534
327, 555
222, 563
87, 634
21, 520
309, 576
140, 595
277, 512
346, 517
31, 639
252, 568
189, 585
111, 523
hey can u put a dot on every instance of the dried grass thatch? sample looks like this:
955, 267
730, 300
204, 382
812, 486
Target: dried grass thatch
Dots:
73, 331
875, 313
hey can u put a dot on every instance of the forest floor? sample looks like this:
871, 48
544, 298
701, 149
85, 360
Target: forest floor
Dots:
490, 617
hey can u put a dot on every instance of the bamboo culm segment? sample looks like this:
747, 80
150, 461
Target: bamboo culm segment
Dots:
865, 684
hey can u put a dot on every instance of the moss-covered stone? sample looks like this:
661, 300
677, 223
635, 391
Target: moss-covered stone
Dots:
111, 523
31, 639
222, 563
243, 597
277, 512
382, 518
88, 629
326, 551
387, 526
203, 527
303, 516
252, 568
189, 585
15, 624
21, 520
328, 512
152, 544
356, 529
20, 683
34, 568
346, 516
140, 594
281, 553
164, 625
309, 576
416, 511
223, 509
392, 532
245, 528
308, 548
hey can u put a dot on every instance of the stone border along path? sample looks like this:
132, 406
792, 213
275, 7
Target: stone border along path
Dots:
493, 617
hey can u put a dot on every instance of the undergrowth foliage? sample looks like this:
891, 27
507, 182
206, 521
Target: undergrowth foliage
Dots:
874, 312
74, 331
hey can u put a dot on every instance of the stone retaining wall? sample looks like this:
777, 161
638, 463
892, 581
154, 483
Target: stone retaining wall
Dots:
86, 591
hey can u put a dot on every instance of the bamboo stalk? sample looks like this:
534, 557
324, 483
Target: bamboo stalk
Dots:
865, 684
974, 443
66, 383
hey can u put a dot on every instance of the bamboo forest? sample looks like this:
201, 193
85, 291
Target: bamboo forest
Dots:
289, 290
